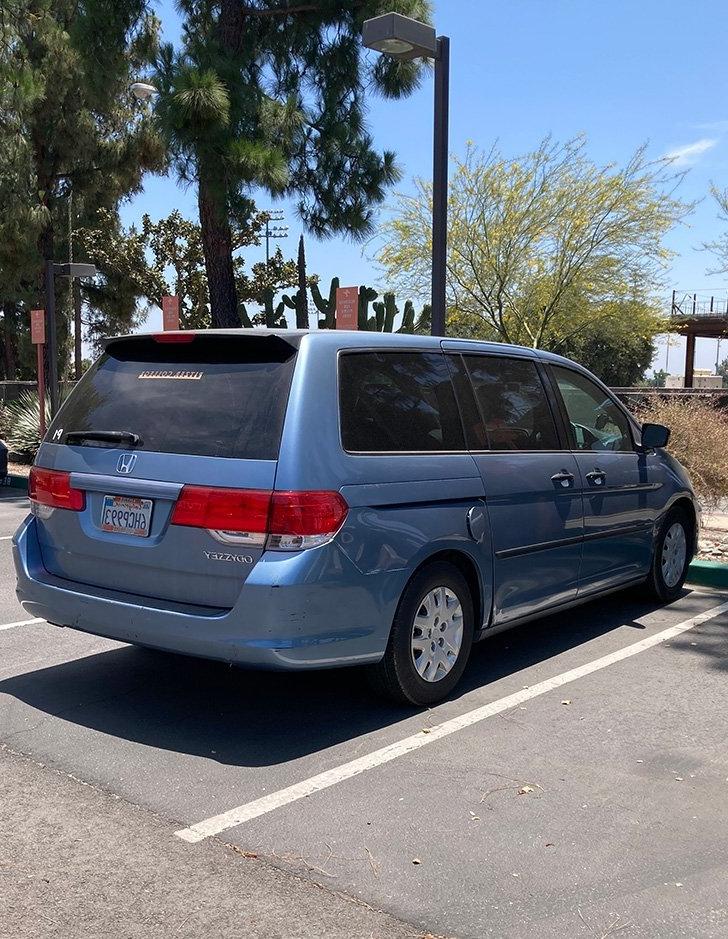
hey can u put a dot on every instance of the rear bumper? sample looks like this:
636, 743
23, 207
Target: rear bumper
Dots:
295, 611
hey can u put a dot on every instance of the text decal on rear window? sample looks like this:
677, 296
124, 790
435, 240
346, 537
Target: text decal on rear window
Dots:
175, 376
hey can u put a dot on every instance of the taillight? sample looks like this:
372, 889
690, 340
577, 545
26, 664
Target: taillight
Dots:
304, 519
173, 337
53, 489
242, 514
282, 521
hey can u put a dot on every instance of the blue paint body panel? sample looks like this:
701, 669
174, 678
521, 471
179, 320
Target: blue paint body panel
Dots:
528, 544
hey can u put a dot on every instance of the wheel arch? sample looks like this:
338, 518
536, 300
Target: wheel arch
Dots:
687, 505
468, 567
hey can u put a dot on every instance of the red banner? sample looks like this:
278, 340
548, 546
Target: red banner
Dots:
347, 308
170, 313
37, 327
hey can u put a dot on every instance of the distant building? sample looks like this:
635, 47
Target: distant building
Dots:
702, 378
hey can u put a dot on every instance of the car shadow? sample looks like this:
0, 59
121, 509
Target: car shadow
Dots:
255, 718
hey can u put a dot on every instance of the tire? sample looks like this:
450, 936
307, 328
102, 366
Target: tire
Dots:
671, 557
420, 665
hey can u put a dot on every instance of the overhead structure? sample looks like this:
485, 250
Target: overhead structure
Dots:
693, 317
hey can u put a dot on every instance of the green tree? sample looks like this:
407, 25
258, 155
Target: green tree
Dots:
723, 370
271, 94
68, 125
657, 380
619, 344
138, 266
542, 247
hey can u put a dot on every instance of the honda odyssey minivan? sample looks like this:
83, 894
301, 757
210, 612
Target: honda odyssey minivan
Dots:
300, 500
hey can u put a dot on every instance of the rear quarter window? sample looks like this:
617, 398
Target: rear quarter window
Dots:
219, 396
397, 402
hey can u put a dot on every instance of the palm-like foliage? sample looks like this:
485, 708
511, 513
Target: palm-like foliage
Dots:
271, 94
23, 417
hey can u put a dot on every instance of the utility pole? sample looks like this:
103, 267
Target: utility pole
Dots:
75, 300
274, 231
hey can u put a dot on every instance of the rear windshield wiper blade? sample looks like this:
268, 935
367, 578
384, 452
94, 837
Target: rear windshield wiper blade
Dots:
104, 436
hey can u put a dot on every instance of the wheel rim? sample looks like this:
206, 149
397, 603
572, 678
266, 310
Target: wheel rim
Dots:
674, 554
437, 634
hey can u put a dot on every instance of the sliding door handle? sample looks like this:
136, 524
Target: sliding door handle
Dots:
563, 479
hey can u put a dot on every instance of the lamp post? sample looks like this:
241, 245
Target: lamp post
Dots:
403, 38
53, 270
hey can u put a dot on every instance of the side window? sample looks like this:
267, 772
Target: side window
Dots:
513, 405
397, 402
596, 421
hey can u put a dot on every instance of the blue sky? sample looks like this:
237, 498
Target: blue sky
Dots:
621, 71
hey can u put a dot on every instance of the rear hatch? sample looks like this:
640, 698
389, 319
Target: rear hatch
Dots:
152, 416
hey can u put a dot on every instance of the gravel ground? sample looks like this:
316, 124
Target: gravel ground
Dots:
713, 546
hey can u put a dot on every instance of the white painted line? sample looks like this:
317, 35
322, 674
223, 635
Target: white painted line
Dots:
22, 622
276, 800
6, 537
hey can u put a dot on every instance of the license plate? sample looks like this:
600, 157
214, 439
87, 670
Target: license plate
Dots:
127, 515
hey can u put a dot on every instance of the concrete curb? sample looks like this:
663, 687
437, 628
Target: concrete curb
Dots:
709, 574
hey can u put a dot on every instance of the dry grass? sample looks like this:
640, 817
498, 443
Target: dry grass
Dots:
699, 440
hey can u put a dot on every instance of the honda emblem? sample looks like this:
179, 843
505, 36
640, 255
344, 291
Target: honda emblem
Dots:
126, 463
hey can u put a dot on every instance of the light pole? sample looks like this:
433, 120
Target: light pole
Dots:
403, 38
143, 91
53, 270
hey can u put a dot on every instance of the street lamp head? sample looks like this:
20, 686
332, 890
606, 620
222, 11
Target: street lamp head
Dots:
143, 91
400, 37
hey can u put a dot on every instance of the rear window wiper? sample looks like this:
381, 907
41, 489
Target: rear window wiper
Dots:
104, 436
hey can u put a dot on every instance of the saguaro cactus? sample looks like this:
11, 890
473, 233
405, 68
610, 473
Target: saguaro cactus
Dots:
385, 311
366, 295
408, 318
274, 318
327, 308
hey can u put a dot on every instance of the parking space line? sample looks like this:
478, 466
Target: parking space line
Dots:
276, 800
6, 537
22, 622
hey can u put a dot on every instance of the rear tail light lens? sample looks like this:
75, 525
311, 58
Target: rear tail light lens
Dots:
282, 521
239, 514
53, 489
304, 519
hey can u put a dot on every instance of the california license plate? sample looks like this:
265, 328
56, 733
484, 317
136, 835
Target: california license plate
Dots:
127, 515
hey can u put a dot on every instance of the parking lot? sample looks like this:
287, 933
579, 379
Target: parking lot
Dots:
576, 785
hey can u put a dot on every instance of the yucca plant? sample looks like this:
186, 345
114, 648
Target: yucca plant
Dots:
24, 422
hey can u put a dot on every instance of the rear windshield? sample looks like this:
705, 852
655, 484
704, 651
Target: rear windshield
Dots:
220, 396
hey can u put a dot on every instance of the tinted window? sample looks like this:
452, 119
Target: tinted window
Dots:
214, 396
397, 401
514, 409
596, 421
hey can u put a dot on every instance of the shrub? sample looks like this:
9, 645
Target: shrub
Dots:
699, 439
24, 422
4, 422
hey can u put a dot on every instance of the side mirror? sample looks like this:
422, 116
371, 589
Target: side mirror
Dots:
654, 436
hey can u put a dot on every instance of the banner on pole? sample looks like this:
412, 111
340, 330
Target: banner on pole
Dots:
37, 327
170, 313
347, 308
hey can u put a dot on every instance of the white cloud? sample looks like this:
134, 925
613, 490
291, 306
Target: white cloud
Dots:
713, 127
691, 152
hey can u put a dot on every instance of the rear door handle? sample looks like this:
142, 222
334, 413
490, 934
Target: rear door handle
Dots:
596, 478
564, 479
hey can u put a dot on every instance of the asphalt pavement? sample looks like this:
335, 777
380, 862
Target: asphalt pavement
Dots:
576, 784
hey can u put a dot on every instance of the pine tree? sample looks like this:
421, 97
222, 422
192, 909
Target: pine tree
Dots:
270, 94
70, 126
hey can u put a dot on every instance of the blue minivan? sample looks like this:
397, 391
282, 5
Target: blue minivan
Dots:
300, 500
